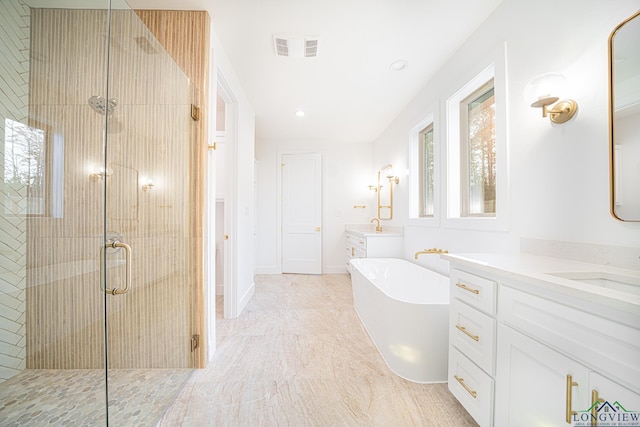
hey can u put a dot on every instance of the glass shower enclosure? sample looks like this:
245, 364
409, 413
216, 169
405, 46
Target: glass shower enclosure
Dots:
97, 265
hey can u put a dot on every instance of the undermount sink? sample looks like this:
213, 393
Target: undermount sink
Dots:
606, 280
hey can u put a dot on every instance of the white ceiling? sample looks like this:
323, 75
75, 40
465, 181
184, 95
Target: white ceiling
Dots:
348, 92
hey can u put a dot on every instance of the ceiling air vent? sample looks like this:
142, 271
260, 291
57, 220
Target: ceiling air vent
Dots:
296, 47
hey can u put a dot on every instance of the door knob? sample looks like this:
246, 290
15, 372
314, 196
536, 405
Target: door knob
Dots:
317, 228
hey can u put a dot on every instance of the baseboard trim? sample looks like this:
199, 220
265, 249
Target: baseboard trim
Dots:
335, 269
268, 270
246, 298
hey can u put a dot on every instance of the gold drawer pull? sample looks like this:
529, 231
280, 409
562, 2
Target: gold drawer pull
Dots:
569, 404
353, 251
466, 387
469, 334
468, 289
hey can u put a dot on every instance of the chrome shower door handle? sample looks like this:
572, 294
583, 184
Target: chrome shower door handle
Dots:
103, 267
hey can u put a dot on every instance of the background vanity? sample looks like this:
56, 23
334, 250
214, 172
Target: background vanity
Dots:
362, 241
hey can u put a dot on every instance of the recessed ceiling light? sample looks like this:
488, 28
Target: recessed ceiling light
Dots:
398, 65
300, 113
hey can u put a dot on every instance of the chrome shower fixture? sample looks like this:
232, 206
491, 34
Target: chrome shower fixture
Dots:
101, 105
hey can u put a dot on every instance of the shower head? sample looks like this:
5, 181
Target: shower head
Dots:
101, 105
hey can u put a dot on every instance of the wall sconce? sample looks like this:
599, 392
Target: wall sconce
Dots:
390, 175
147, 184
99, 172
546, 89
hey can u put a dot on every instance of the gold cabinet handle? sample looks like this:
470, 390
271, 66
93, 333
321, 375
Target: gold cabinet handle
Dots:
569, 411
468, 289
467, 333
353, 251
594, 408
473, 393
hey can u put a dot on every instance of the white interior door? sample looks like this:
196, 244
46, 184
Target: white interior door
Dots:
302, 213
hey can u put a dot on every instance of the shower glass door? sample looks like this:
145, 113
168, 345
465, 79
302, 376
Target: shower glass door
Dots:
52, 204
96, 242
148, 262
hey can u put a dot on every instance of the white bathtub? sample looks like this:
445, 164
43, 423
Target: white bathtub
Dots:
405, 310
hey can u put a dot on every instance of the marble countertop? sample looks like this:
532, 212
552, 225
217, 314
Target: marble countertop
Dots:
538, 274
367, 230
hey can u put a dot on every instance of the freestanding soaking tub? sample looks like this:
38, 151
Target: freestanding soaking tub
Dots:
405, 310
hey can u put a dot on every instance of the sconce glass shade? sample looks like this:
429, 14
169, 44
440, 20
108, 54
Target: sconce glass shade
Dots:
389, 173
146, 184
545, 89
99, 172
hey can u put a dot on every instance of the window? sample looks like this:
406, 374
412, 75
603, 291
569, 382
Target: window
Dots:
426, 172
478, 153
423, 172
476, 186
25, 166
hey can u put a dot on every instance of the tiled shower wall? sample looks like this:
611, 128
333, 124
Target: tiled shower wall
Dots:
14, 84
150, 135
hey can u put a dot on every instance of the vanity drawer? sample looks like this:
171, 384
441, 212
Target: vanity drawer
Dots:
474, 290
356, 241
471, 386
583, 336
473, 333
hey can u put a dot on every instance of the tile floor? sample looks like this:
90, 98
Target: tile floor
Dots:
76, 397
297, 356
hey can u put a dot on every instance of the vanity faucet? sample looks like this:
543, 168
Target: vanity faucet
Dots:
378, 226
430, 251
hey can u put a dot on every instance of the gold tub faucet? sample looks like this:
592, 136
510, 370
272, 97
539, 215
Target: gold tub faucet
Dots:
378, 226
430, 251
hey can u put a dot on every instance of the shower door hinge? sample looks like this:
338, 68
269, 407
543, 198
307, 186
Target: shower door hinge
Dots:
195, 342
195, 112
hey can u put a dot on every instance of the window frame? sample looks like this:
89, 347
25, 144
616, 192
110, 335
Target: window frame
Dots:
429, 119
46, 161
423, 176
494, 68
464, 153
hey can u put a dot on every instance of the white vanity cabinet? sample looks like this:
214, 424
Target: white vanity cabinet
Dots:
536, 384
356, 247
527, 351
373, 245
472, 333
563, 359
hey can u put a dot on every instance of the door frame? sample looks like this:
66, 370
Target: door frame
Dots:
230, 198
279, 196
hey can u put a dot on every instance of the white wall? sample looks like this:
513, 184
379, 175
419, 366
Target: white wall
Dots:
347, 172
559, 174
